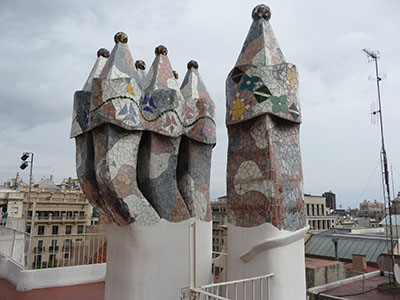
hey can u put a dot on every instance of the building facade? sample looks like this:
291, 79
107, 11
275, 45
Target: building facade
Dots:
60, 221
220, 227
318, 213
330, 199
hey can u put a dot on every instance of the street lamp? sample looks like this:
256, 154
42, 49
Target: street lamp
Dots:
24, 164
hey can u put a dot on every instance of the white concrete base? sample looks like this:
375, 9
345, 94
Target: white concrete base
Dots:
54, 277
9, 270
26, 280
152, 262
264, 249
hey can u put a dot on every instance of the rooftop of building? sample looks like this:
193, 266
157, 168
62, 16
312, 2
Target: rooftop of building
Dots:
315, 263
370, 245
359, 289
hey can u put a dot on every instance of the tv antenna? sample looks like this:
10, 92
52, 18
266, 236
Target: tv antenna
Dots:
374, 56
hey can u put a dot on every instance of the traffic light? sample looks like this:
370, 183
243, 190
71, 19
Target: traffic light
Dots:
25, 156
24, 165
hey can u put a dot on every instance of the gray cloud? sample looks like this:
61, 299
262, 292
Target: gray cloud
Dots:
48, 48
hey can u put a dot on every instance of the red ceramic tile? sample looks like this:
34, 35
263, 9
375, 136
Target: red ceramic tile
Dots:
91, 291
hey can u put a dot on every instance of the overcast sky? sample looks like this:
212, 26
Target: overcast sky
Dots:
49, 47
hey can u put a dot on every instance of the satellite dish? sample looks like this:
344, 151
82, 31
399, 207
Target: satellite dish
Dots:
396, 271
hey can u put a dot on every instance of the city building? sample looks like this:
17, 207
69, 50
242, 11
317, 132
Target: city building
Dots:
346, 222
395, 207
317, 213
13, 201
220, 224
368, 205
330, 199
371, 210
61, 218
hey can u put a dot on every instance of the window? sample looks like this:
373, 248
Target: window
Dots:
53, 246
81, 214
67, 245
308, 209
40, 230
37, 261
68, 229
95, 213
66, 255
28, 229
322, 209
39, 247
55, 230
69, 214
317, 209
52, 261
80, 229
312, 209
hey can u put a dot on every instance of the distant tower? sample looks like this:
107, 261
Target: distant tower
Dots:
330, 199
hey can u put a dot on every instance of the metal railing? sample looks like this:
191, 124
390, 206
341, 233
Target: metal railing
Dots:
69, 250
13, 244
51, 251
255, 288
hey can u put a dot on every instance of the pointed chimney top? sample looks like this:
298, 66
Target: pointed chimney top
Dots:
102, 55
193, 86
261, 47
120, 63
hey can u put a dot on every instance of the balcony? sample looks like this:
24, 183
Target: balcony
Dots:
38, 250
53, 248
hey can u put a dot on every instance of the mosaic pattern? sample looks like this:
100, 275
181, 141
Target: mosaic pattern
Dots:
161, 50
264, 173
143, 150
103, 52
140, 64
261, 11
121, 37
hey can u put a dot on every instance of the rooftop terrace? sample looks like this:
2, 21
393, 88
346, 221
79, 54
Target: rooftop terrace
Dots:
92, 291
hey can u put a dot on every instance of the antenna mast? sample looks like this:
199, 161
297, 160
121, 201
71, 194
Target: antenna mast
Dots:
384, 165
